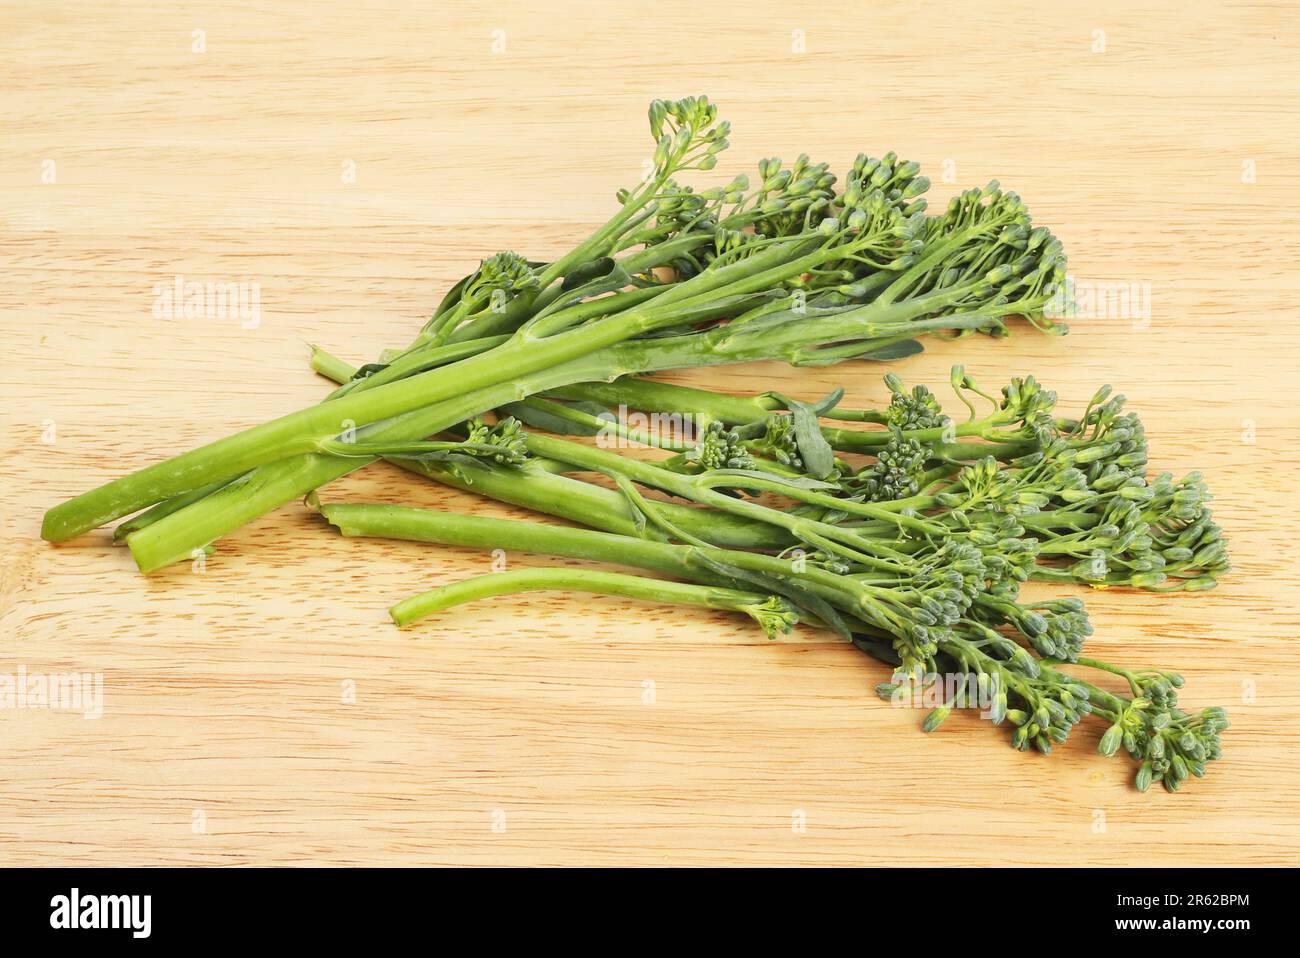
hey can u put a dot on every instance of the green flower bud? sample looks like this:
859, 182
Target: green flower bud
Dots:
1147, 580
662, 150
1110, 742
658, 113
1178, 768
998, 711
1143, 780
935, 718
916, 187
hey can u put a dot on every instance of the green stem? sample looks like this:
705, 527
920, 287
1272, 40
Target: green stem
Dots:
701, 489
599, 426
419, 361
417, 607
536, 488
296, 434
163, 509
685, 562
175, 537
330, 366
650, 395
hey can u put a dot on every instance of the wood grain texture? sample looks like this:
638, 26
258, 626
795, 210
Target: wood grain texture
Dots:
224, 692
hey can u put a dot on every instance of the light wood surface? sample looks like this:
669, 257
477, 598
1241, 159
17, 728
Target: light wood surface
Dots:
552, 728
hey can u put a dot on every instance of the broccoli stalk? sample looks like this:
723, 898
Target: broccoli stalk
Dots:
1040, 701
849, 275
775, 615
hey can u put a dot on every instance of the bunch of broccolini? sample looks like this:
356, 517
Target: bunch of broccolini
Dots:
916, 554
790, 269
900, 529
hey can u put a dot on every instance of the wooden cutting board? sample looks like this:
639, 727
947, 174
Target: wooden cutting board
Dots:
353, 160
